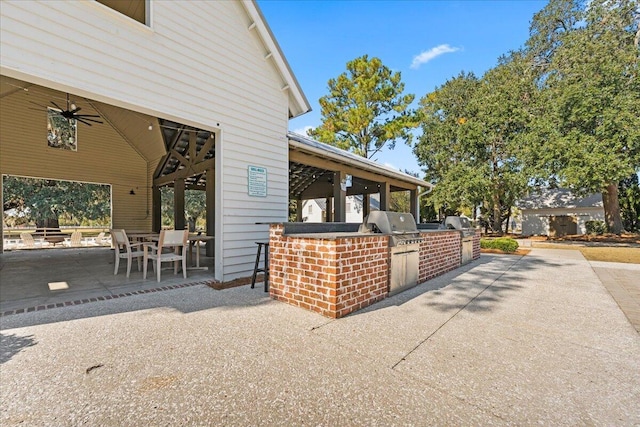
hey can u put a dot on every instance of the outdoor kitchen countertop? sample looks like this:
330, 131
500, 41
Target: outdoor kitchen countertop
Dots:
334, 235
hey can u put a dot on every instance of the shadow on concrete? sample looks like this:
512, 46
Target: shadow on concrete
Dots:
477, 287
12, 344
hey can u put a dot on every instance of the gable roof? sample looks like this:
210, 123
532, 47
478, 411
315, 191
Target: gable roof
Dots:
298, 103
559, 198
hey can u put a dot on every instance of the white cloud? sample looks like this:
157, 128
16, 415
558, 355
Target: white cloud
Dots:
302, 131
432, 53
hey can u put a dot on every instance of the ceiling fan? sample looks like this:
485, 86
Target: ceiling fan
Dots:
71, 113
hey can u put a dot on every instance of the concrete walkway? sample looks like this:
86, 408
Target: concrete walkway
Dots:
623, 283
502, 341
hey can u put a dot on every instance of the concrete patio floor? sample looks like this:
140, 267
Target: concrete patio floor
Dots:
88, 272
505, 340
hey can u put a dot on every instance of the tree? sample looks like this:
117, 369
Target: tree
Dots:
629, 194
472, 134
46, 202
587, 64
365, 109
194, 207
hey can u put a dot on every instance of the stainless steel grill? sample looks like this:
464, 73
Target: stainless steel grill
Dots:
404, 244
464, 226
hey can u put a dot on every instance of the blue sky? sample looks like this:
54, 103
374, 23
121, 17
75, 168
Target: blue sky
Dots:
439, 38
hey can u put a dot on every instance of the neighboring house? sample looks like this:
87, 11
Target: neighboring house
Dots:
190, 94
558, 212
315, 210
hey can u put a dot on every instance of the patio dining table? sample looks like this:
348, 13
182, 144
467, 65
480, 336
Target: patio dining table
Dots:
194, 240
143, 237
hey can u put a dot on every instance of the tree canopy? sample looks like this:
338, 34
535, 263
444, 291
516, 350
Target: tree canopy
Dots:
365, 109
472, 133
586, 59
68, 202
562, 111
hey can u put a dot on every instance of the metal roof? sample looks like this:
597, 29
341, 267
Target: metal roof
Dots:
303, 143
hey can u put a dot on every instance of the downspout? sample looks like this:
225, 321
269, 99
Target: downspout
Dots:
419, 196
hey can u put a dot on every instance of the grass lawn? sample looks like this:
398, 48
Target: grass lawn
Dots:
599, 253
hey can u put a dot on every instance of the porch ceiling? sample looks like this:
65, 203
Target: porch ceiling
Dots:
312, 165
133, 127
190, 153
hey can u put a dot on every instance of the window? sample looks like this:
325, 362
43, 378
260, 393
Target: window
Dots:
310, 209
348, 207
134, 9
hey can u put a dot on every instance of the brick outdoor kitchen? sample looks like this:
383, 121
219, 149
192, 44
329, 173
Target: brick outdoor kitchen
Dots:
335, 274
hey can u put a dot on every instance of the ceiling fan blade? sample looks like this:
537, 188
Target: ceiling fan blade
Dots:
56, 105
85, 120
87, 115
76, 110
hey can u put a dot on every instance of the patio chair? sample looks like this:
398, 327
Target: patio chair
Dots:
27, 240
130, 250
174, 240
75, 240
99, 240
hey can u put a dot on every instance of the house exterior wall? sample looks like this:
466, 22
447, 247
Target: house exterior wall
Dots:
214, 77
536, 221
103, 157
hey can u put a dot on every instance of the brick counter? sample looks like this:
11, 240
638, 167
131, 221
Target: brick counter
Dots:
331, 276
440, 251
337, 275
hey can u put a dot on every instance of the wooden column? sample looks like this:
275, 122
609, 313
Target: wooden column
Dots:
299, 212
414, 208
385, 196
178, 204
156, 209
328, 217
366, 205
211, 209
339, 198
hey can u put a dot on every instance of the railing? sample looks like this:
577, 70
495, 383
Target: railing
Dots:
49, 238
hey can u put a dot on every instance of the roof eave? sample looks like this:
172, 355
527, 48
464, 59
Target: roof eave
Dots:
365, 164
298, 103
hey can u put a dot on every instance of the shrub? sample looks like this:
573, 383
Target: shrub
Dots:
504, 244
595, 227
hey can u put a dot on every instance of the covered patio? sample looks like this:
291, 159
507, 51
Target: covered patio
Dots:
38, 279
321, 171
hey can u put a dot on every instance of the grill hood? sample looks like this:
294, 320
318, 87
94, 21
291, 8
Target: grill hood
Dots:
389, 223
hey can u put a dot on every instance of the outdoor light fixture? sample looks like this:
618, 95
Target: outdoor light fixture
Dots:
133, 193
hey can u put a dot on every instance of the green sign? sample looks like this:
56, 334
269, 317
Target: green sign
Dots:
257, 177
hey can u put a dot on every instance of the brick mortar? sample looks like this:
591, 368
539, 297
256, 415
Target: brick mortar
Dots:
333, 277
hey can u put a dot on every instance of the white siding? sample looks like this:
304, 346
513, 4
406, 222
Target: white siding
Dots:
199, 64
536, 221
